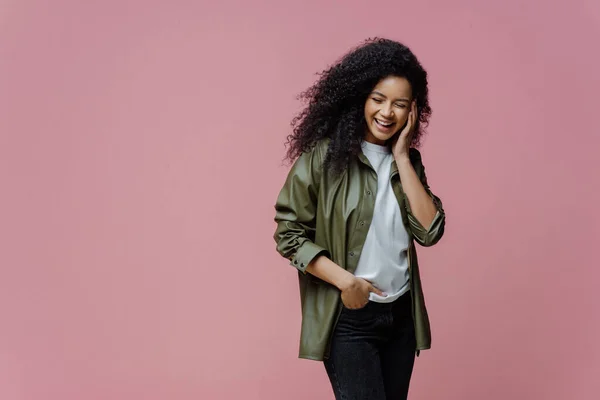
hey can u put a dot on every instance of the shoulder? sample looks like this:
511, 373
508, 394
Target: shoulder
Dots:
322, 146
318, 152
311, 160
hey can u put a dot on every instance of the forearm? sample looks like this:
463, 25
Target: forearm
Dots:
325, 269
421, 204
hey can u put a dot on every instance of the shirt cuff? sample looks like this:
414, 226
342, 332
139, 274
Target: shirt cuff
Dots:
305, 254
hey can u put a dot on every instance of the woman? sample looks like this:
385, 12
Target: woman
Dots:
355, 201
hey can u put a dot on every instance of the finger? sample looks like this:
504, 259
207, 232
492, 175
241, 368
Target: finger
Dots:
374, 289
352, 306
407, 130
377, 291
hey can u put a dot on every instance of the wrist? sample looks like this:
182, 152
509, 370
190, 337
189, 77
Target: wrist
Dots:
346, 280
402, 159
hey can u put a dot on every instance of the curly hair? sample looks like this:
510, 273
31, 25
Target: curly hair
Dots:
335, 103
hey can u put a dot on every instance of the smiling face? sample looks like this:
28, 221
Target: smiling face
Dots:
387, 108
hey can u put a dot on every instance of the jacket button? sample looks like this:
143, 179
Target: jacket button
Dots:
296, 262
361, 223
368, 192
351, 254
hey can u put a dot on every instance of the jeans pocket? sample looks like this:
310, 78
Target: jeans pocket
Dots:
363, 308
358, 321
358, 314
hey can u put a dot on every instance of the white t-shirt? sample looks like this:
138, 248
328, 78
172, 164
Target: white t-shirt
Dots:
383, 260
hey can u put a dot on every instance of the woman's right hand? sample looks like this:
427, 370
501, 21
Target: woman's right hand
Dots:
355, 294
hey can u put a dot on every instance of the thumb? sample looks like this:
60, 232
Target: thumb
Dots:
377, 291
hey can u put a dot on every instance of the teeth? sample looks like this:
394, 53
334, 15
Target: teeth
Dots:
381, 123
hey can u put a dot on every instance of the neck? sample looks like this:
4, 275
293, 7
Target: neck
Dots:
372, 139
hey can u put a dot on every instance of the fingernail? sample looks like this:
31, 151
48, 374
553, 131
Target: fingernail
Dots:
384, 293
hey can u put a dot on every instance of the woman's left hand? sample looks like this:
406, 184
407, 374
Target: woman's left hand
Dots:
401, 144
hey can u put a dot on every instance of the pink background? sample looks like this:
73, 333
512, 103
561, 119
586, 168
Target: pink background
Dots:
140, 158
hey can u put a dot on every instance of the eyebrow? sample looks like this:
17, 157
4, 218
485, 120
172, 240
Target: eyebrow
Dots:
382, 95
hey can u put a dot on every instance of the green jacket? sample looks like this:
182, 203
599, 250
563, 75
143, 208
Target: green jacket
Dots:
321, 214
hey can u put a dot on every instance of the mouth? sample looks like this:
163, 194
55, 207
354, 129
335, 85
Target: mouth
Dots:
383, 125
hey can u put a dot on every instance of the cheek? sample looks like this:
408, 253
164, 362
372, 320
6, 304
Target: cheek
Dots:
403, 116
369, 111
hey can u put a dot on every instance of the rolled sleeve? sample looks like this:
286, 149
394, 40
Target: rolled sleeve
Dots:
306, 254
433, 233
296, 210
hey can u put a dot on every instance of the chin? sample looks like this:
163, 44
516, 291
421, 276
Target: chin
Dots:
380, 135
382, 138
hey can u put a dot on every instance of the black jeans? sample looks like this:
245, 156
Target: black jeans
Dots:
373, 352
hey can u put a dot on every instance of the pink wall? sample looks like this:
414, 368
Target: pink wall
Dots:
140, 158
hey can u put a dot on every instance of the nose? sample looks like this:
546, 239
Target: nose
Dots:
386, 111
